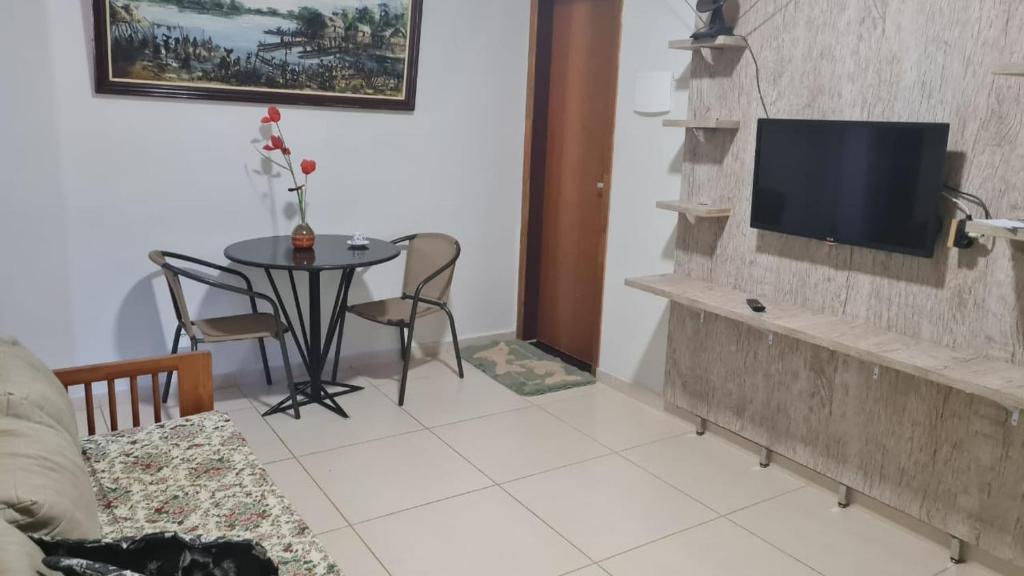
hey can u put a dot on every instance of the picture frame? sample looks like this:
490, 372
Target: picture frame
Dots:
265, 51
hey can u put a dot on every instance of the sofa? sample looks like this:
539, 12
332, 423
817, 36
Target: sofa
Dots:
193, 475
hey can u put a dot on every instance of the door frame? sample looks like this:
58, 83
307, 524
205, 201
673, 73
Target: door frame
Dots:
523, 331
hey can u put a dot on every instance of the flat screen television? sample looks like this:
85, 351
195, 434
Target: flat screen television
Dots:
872, 184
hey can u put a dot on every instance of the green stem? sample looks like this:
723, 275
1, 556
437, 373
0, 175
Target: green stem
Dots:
268, 158
300, 192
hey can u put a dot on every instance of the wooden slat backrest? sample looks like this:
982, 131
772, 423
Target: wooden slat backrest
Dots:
195, 384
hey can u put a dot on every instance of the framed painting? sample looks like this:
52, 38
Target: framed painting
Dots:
360, 53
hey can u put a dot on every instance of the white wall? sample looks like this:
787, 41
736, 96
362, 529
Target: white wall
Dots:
91, 183
646, 168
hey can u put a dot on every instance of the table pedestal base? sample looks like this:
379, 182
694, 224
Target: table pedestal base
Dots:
306, 397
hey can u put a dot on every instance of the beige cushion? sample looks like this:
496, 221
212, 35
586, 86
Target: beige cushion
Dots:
240, 327
18, 555
392, 310
44, 486
30, 391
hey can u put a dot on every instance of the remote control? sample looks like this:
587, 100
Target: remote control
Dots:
755, 305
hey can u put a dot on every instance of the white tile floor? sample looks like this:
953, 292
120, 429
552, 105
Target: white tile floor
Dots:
470, 479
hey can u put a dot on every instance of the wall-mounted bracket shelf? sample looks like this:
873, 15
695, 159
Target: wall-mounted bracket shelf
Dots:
971, 373
994, 229
1009, 70
709, 124
719, 43
695, 210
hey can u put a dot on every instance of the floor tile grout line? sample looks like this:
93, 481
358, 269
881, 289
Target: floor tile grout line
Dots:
573, 426
773, 546
621, 454
482, 416
684, 434
360, 443
575, 570
612, 451
365, 545
502, 411
322, 491
645, 443
766, 500
556, 468
669, 484
510, 495
648, 443
343, 517
660, 538
695, 498
424, 504
425, 429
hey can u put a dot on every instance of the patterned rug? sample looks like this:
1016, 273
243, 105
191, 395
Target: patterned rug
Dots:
524, 369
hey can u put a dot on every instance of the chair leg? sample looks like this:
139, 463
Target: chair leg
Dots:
288, 375
455, 340
174, 350
401, 342
405, 364
266, 366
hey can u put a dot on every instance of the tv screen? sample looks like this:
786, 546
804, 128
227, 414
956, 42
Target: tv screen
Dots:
872, 184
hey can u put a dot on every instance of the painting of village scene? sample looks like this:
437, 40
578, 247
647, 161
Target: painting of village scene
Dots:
331, 52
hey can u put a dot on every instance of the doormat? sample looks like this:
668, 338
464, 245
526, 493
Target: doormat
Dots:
524, 369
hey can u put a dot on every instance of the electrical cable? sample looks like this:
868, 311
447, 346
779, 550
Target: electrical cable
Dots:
960, 205
972, 197
757, 74
757, 67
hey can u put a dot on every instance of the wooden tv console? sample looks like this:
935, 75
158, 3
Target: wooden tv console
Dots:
931, 431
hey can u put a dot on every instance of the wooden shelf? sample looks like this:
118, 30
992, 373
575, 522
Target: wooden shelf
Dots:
696, 210
1009, 70
971, 373
720, 43
709, 124
986, 228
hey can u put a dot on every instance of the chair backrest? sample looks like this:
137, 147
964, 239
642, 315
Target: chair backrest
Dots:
427, 254
177, 295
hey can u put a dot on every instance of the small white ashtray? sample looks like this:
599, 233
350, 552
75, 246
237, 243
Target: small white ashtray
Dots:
358, 241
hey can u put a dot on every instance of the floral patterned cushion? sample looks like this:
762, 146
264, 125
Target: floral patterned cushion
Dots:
197, 476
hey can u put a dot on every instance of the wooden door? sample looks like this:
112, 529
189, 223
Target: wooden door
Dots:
574, 120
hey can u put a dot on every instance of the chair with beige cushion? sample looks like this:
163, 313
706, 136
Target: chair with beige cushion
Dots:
252, 326
429, 269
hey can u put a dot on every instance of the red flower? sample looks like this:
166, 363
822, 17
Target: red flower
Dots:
274, 114
286, 151
276, 142
308, 167
268, 147
265, 120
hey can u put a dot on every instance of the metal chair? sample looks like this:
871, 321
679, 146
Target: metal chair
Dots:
429, 268
253, 326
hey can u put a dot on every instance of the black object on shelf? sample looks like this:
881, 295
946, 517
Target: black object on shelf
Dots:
716, 25
755, 305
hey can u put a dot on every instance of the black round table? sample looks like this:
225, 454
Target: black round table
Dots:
331, 252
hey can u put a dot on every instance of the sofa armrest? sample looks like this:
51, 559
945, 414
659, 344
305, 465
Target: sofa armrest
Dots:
195, 383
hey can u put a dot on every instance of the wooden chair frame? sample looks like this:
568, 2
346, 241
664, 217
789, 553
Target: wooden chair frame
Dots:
195, 384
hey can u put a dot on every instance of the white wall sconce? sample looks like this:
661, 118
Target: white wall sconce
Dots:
653, 92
